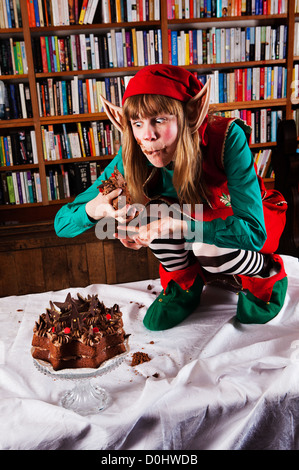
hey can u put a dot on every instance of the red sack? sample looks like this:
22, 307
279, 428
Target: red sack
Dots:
275, 207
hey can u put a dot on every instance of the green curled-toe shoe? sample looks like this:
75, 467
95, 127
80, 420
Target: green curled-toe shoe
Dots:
262, 298
179, 298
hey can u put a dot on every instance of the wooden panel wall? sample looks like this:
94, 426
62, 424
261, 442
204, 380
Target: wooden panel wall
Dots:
33, 259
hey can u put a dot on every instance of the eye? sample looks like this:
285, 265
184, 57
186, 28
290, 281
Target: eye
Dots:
136, 124
160, 120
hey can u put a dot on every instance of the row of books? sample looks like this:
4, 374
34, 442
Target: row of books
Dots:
295, 116
180, 9
66, 181
18, 148
295, 82
13, 60
296, 39
257, 83
10, 14
20, 187
17, 101
69, 12
120, 11
66, 12
52, 12
262, 160
23, 187
227, 45
263, 123
93, 52
87, 140
77, 96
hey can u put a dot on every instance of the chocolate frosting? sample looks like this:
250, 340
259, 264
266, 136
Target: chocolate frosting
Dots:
116, 181
84, 319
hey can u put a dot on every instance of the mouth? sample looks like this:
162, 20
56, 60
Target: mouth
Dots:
153, 151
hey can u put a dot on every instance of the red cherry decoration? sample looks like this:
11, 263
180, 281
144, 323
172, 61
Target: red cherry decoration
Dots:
53, 329
108, 316
113, 175
67, 330
95, 330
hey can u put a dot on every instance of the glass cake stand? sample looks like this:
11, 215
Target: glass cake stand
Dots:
85, 398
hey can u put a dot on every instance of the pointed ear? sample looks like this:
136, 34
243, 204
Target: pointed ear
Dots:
198, 106
114, 113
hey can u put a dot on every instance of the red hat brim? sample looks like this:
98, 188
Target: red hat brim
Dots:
166, 80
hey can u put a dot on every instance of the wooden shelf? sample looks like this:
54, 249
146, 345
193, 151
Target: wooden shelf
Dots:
11, 31
68, 118
11, 123
62, 201
90, 27
22, 77
235, 65
76, 160
90, 72
263, 145
226, 19
20, 206
250, 104
30, 166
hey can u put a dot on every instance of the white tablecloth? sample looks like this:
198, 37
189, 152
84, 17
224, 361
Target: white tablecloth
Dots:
212, 383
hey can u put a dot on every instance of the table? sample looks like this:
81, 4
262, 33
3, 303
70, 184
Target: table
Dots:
211, 383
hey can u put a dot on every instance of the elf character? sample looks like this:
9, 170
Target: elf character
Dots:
174, 150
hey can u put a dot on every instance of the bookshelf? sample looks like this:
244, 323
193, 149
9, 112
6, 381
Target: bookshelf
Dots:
154, 25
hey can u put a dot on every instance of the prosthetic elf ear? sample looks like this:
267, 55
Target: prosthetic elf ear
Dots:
114, 113
198, 106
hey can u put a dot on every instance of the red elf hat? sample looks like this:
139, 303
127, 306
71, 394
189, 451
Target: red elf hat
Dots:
167, 80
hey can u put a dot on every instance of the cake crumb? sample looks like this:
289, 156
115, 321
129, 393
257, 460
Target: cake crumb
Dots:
139, 358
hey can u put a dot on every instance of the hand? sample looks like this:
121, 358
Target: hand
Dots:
101, 206
166, 227
128, 242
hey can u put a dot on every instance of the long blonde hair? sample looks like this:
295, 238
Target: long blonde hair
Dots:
187, 159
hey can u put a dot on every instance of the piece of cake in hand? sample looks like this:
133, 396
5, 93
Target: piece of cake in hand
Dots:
116, 181
78, 333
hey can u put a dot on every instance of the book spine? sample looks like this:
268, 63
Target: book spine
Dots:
67, 144
174, 47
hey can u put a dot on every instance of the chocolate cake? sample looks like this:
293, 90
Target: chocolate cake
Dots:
116, 181
139, 358
79, 333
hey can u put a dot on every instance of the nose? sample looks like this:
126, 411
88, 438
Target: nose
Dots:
149, 132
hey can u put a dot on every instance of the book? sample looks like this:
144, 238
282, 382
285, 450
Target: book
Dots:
79, 177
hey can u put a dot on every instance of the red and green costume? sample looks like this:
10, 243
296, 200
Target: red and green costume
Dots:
260, 299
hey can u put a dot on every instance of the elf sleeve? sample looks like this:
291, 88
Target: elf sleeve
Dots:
246, 228
72, 220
